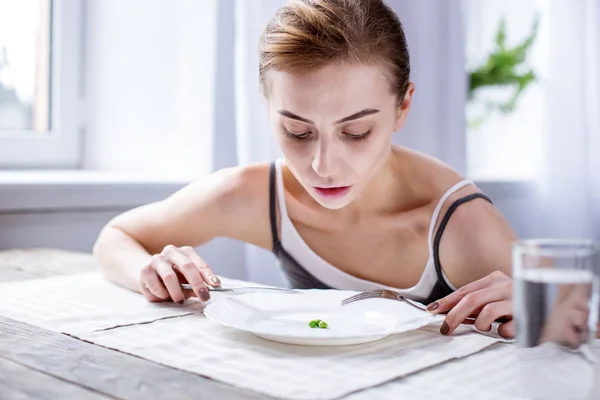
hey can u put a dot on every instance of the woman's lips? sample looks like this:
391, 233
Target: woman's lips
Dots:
332, 192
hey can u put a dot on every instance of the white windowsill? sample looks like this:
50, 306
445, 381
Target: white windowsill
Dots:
52, 191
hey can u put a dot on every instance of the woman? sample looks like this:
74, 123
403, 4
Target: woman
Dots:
344, 208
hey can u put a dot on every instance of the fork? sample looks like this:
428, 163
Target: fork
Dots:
387, 294
381, 294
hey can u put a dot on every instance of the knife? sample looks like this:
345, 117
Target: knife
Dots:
245, 289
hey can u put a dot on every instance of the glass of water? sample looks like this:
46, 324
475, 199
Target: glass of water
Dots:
556, 292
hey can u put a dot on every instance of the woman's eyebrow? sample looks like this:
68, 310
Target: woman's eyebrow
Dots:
358, 115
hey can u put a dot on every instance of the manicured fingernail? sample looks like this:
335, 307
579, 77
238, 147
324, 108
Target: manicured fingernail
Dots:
204, 294
433, 306
215, 280
444, 329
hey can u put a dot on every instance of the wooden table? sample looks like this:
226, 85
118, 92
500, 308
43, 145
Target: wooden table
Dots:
39, 364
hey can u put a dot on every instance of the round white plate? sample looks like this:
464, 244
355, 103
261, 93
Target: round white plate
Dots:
285, 318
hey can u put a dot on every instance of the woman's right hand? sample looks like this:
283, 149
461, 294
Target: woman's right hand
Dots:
161, 279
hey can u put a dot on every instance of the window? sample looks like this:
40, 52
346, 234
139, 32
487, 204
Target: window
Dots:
505, 123
39, 83
25, 77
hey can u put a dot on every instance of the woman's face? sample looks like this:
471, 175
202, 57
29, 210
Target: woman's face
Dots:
335, 127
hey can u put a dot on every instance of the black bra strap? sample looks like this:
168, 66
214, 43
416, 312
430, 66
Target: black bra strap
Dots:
438, 234
273, 209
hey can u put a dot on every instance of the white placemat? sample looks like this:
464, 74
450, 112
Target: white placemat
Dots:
89, 307
487, 375
197, 344
81, 303
493, 374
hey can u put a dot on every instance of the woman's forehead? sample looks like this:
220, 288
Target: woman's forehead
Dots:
340, 85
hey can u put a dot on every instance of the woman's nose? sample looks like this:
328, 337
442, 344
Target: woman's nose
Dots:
324, 162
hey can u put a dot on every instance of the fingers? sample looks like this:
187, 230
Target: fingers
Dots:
149, 296
473, 301
567, 326
507, 330
447, 303
492, 312
189, 270
145, 289
162, 278
152, 286
165, 271
579, 318
577, 331
207, 274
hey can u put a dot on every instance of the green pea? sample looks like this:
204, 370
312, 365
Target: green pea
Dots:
323, 324
318, 321
313, 324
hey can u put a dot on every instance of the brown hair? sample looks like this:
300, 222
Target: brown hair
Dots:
308, 34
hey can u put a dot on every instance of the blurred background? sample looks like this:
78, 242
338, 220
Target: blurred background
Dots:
109, 104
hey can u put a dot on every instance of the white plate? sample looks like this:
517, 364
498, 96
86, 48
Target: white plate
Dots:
285, 318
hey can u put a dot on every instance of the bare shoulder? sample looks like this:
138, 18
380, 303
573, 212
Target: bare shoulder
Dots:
428, 174
476, 241
233, 191
231, 202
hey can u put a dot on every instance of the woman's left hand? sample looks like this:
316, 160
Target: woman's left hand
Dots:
486, 300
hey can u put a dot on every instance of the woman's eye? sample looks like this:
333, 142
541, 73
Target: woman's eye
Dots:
360, 136
294, 135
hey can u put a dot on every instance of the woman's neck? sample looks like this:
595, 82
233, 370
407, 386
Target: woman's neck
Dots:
385, 192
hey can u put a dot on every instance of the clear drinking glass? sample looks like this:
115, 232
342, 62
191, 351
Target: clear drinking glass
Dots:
556, 316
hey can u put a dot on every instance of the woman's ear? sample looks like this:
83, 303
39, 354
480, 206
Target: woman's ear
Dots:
404, 107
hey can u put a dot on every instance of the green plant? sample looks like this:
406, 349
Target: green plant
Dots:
504, 66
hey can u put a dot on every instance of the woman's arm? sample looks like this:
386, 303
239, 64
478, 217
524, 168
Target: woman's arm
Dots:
230, 202
475, 253
476, 242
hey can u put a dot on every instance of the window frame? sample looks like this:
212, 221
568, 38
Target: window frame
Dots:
60, 146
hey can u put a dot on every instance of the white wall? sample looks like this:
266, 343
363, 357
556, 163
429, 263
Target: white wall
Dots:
519, 203
149, 75
436, 122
